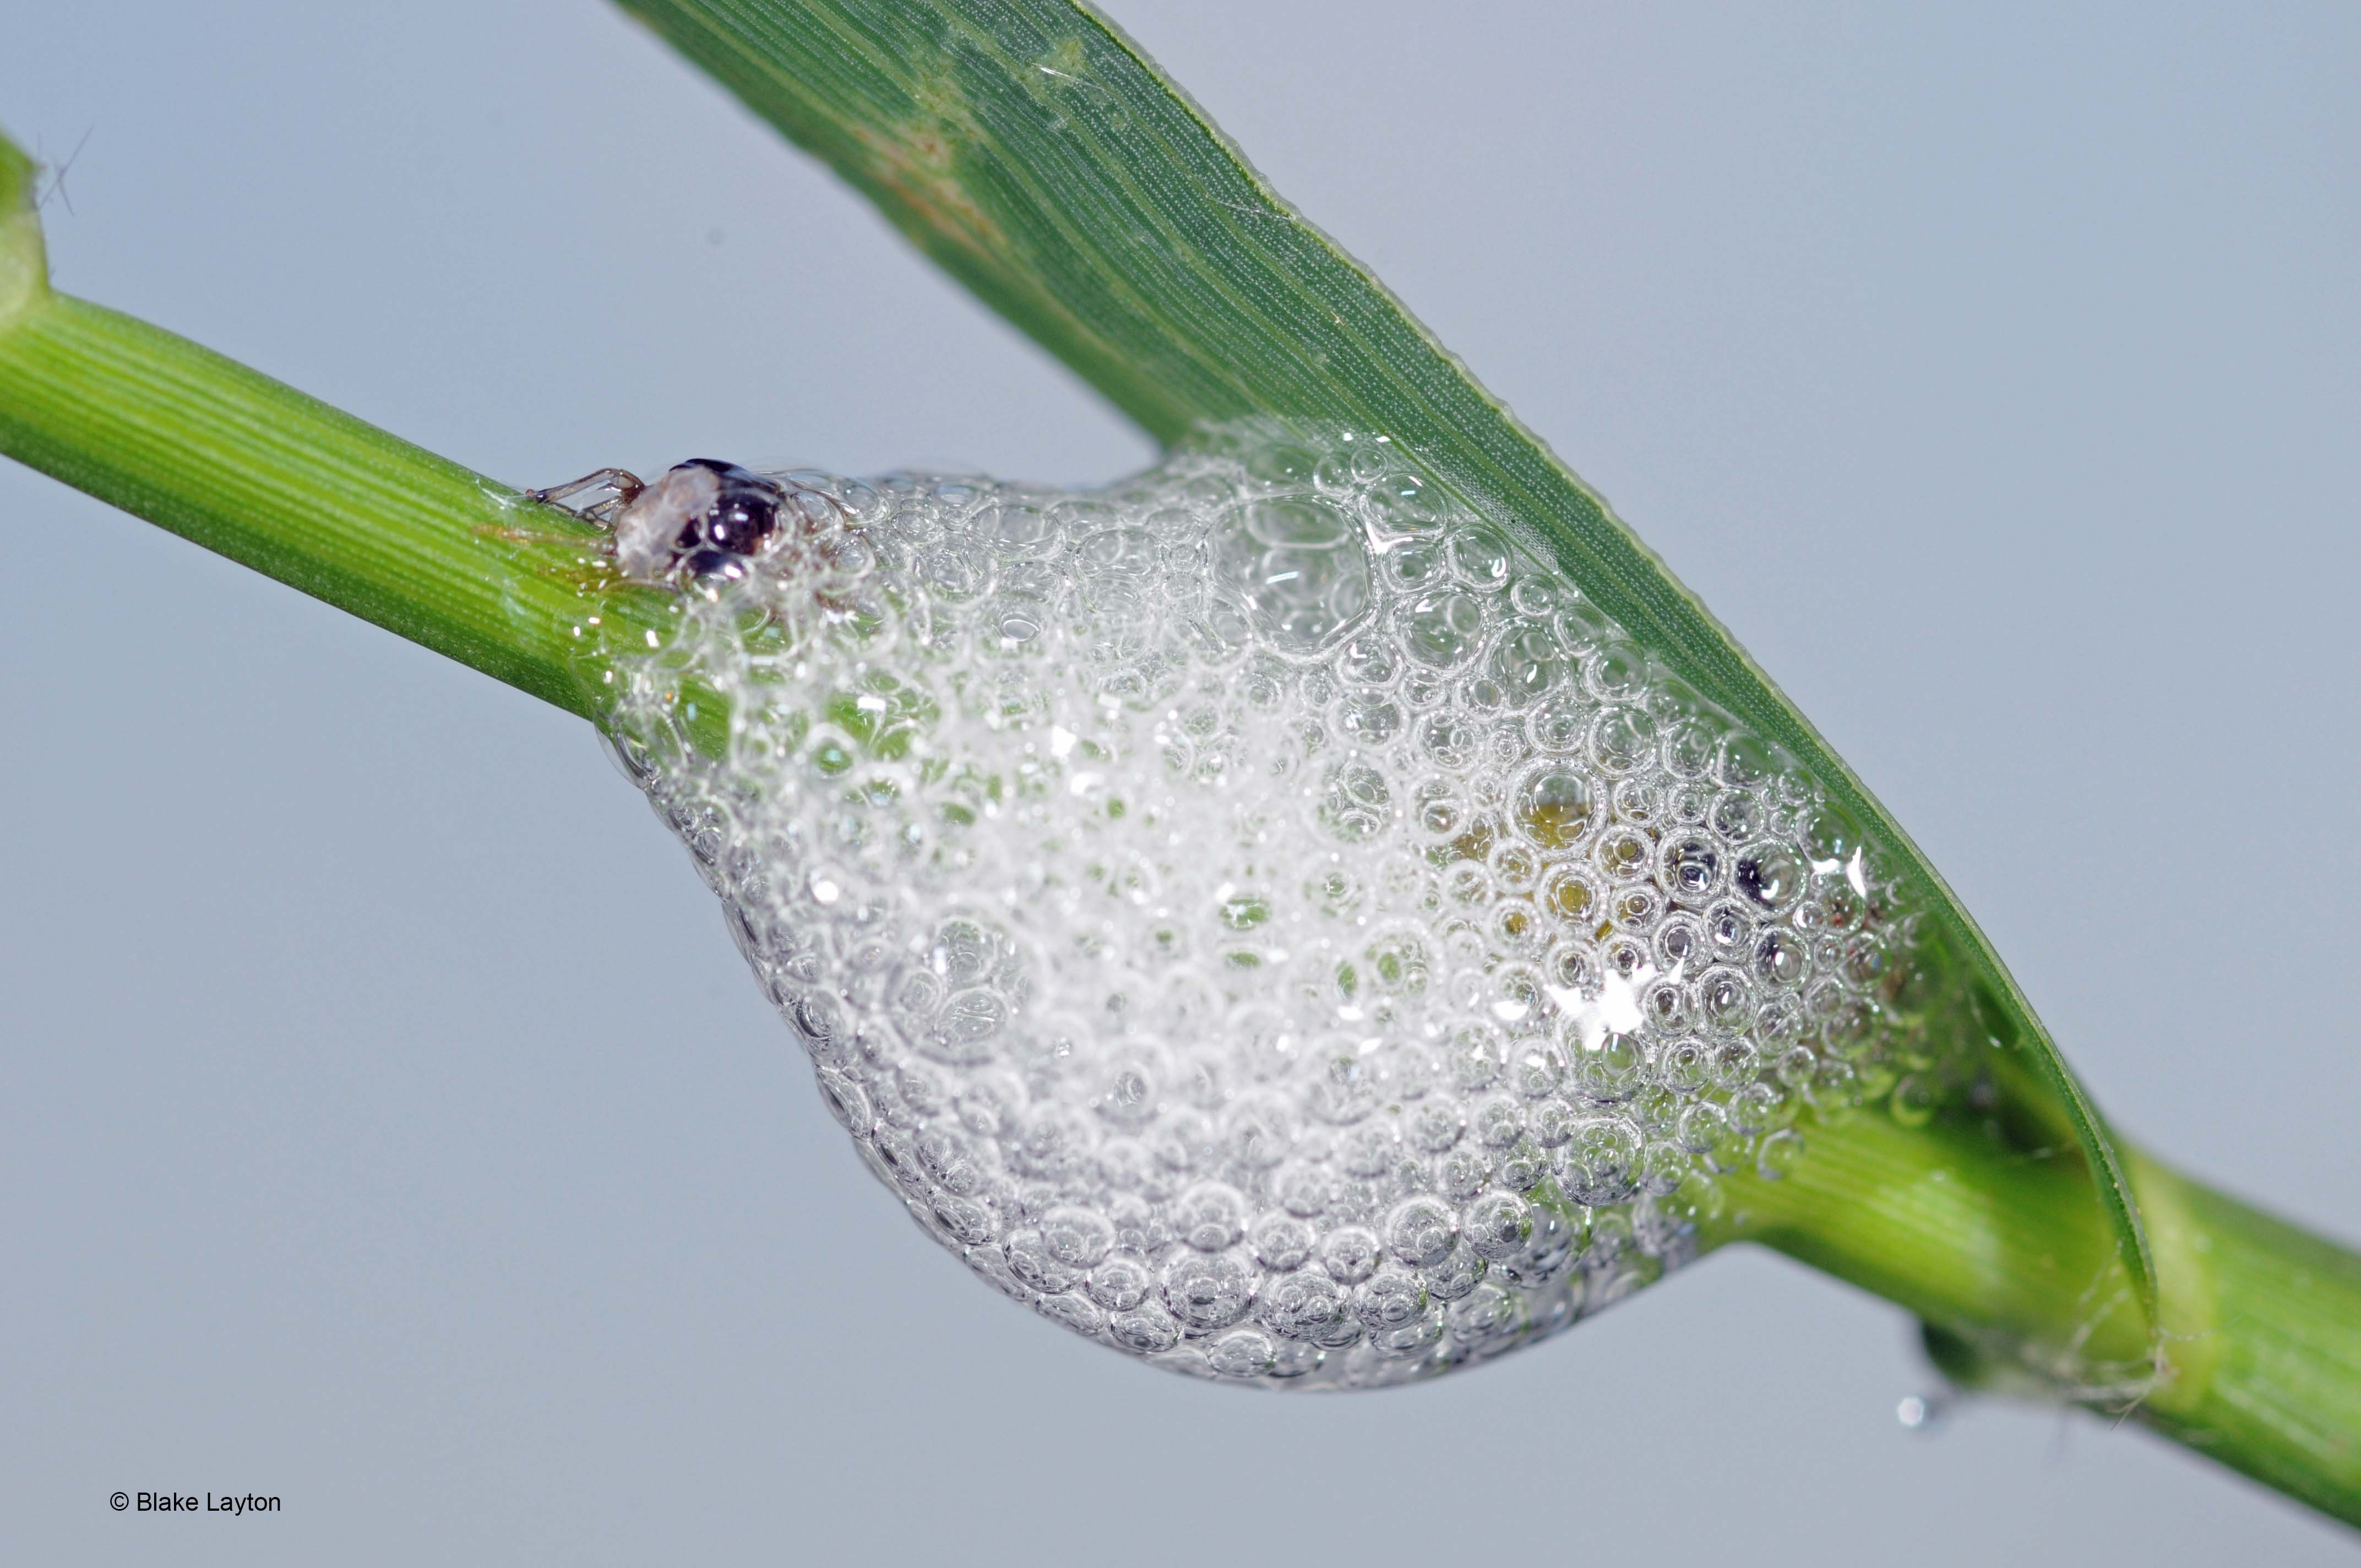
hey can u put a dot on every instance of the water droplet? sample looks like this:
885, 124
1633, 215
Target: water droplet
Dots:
1923, 1412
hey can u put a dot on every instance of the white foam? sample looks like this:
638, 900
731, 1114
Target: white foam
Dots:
1257, 915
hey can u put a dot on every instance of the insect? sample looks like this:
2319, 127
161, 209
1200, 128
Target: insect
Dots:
704, 517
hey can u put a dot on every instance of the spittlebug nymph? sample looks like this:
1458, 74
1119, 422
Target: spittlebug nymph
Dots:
703, 517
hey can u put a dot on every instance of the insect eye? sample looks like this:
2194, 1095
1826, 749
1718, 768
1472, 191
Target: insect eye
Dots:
744, 513
711, 562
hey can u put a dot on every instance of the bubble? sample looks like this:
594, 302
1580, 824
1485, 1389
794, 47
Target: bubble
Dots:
1476, 1055
1405, 501
1121, 1283
969, 1222
1499, 1121
1367, 1151
1746, 762
1782, 959
1527, 660
1662, 1166
1482, 557
1915, 1100
1207, 1290
1689, 749
1636, 800
1559, 725
1622, 739
1555, 807
1210, 1217
1781, 1153
1611, 1069
1497, 1224
1450, 740
1073, 1311
1691, 867
1665, 1006
1241, 1353
1281, 464
1598, 1164
1355, 803
1618, 671
1030, 1260
847, 1102
1729, 931
1391, 1299
1735, 814
1304, 1190
1411, 1338
1769, 874
1624, 853
1128, 1098
1549, 1251
1343, 1084
992, 1267
1552, 1123
1282, 1242
1078, 1238
1298, 566
1442, 629
952, 1160
1435, 1127
1753, 1108
1261, 914
1454, 1275
1370, 719
1121, 551
1145, 1332
1259, 1130
1421, 1232
1684, 1066
1514, 866
1305, 1305
1830, 836
1572, 897
1463, 1172
1680, 945
1467, 884
1488, 1312
1725, 999
1536, 1069
1350, 1255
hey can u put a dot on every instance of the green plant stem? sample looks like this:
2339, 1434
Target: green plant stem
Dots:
254, 470
1994, 1247
2283, 1401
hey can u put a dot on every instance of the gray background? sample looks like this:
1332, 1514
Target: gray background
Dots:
390, 1126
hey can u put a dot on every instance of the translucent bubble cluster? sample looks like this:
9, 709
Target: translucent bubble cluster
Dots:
1260, 915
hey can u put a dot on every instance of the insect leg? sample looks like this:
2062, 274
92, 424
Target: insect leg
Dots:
625, 484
